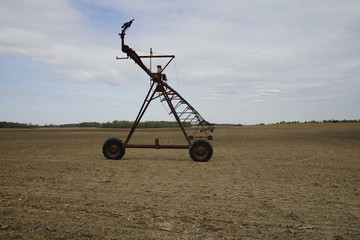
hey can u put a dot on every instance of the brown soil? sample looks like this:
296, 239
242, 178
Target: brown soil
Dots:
263, 182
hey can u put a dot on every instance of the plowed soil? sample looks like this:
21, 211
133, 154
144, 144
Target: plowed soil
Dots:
263, 182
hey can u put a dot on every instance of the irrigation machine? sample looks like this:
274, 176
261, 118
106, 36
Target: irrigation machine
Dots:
200, 149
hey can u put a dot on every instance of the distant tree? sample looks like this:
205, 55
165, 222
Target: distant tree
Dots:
5, 124
147, 124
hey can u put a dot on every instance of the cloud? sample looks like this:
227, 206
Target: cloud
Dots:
60, 37
226, 51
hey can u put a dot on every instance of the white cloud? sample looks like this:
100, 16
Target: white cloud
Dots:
57, 34
227, 51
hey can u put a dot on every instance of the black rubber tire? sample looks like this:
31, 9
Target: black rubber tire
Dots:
113, 148
200, 151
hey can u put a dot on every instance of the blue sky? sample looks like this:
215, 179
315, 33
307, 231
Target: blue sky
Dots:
242, 62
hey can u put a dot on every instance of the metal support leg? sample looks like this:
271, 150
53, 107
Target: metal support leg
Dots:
173, 111
142, 111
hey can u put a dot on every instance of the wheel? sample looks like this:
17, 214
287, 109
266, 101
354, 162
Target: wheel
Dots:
113, 148
200, 151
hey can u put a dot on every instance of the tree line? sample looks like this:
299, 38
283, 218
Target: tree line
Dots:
16, 125
113, 124
147, 124
323, 121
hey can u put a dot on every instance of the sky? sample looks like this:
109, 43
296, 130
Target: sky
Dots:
241, 62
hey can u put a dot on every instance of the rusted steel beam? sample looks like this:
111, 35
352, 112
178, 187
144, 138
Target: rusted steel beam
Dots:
157, 146
172, 109
158, 56
145, 105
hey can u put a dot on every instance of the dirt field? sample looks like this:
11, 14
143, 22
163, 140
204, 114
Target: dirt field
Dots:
263, 182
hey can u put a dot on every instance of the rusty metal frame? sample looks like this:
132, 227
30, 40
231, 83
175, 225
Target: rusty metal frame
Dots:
160, 89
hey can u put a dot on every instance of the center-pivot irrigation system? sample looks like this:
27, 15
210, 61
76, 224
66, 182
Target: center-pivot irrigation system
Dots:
200, 149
